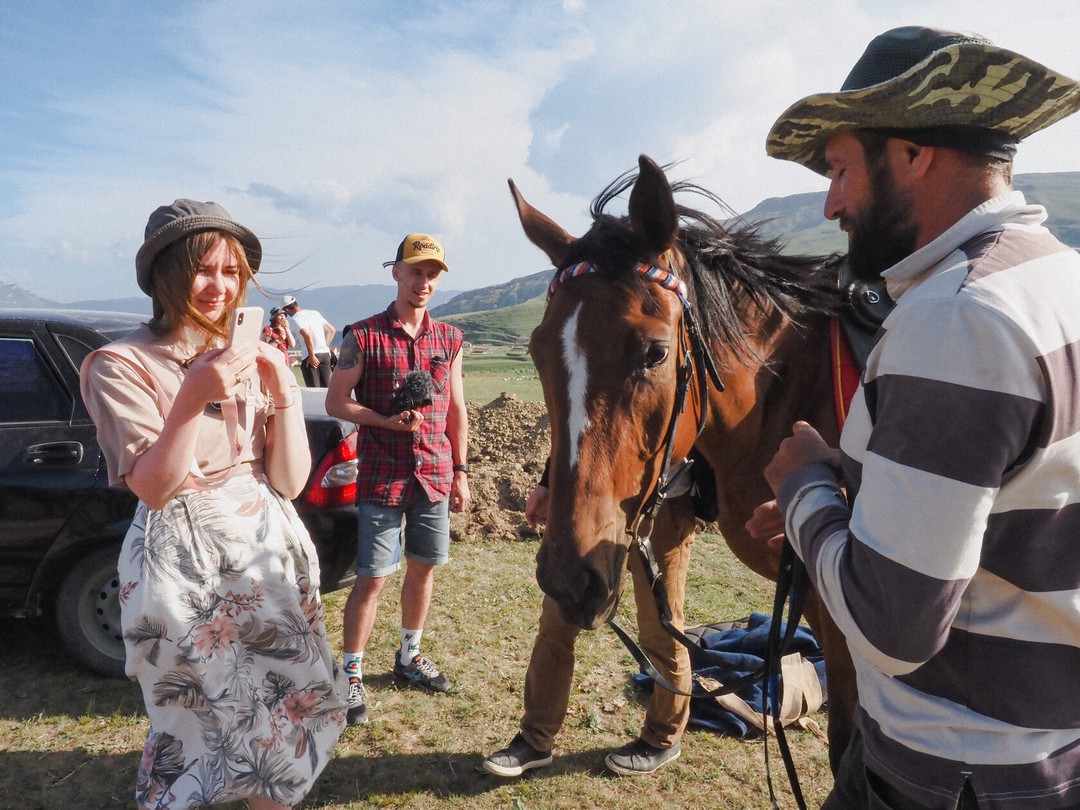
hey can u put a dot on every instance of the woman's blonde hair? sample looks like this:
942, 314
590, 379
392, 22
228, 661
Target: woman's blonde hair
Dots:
174, 271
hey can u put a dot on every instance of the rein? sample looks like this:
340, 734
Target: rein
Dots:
699, 363
791, 583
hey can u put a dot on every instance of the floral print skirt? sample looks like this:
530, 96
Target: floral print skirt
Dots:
223, 627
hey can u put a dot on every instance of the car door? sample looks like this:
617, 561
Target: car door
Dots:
49, 457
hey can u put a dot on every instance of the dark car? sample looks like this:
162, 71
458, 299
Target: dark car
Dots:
61, 524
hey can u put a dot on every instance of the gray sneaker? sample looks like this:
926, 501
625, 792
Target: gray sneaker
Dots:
638, 758
356, 701
516, 758
423, 673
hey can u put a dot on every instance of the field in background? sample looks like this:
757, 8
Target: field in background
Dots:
497, 358
491, 371
71, 740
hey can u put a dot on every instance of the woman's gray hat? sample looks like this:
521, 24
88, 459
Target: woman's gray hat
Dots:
184, 217
916, 78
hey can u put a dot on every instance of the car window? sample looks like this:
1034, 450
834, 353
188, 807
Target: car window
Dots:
31, 391
74, 348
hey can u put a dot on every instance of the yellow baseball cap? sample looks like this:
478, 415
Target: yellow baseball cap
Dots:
420, 247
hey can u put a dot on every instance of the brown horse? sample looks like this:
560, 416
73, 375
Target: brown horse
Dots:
609, 352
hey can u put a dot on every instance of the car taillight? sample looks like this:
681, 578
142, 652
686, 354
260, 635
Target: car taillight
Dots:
334, 481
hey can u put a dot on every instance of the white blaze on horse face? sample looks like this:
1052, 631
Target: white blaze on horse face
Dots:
577, 384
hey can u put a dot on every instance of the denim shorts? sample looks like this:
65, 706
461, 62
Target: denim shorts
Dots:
424, 526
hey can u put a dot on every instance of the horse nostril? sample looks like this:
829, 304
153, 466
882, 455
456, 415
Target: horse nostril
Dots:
584, 587
594, 585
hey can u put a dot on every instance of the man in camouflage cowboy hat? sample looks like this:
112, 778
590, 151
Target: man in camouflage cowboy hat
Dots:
942, 533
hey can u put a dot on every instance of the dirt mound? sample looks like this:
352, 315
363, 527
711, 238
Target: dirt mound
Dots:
509, 440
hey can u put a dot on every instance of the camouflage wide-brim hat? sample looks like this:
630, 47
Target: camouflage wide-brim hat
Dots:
919, 78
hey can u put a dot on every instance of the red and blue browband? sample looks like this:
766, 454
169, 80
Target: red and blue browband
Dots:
665, 278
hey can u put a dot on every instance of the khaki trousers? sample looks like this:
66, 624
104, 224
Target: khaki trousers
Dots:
550, 675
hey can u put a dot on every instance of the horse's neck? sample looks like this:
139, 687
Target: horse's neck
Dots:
756, 411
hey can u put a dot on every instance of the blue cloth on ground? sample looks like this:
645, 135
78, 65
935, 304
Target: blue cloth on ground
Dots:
730, 651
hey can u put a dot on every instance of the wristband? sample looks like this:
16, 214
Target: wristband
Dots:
295, 394
461, 468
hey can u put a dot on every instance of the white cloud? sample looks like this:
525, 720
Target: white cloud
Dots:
334, 128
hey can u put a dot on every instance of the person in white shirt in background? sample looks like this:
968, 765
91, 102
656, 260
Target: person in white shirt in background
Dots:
315, 334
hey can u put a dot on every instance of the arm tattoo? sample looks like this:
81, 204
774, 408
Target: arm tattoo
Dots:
349, 355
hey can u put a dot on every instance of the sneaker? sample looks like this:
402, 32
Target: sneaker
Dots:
423, 673
357, 703
639, 757
516, 758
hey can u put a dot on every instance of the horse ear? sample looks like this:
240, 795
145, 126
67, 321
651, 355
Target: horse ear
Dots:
541, 230
652, 207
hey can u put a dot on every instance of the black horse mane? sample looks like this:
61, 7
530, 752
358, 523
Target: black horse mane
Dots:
729, 267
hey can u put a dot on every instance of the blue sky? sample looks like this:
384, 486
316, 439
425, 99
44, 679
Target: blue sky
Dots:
332, 128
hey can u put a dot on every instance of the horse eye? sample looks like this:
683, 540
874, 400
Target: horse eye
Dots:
656, 354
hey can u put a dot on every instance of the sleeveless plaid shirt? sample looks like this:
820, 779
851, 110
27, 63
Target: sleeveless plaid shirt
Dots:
391, 464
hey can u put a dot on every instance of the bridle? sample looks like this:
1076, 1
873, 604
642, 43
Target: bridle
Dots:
695, 355
697, 364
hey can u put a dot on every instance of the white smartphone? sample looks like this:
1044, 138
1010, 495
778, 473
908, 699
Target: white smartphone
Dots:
247, 324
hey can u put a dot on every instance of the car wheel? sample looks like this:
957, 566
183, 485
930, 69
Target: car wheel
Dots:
88, 612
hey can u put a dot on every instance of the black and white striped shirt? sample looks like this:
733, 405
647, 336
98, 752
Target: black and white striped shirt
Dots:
955, 575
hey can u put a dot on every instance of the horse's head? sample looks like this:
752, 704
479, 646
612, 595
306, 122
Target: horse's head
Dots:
609, 352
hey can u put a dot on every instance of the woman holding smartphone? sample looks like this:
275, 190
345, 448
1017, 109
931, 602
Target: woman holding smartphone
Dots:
220, 607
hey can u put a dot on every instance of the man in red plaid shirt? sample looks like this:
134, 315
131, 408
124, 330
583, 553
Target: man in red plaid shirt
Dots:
411, 451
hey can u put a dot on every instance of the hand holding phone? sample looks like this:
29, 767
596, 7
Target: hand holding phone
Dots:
246, 326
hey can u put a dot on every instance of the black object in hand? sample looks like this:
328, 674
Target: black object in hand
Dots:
415, 391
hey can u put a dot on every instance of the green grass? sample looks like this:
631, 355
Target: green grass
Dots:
500, 370
71, 740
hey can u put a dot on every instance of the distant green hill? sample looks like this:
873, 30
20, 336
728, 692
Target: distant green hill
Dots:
799, 221
505, 326
498, 296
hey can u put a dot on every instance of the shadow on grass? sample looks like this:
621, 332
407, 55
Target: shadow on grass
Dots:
39, 677
356, 777
84, 779
40, 680
41, 686
68, 779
